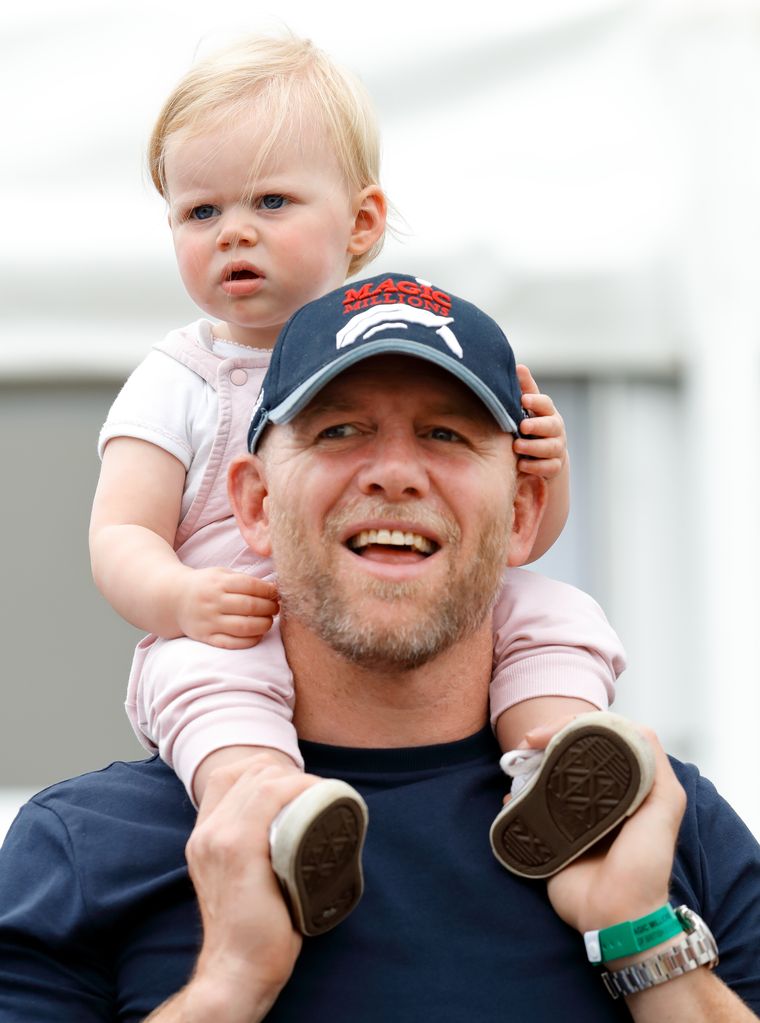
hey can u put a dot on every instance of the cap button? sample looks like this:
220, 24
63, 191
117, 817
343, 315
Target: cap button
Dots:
239, 377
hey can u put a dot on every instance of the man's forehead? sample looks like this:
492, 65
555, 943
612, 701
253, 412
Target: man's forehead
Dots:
413, 382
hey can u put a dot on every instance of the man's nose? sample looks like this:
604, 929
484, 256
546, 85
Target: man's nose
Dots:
237, 228
395, 469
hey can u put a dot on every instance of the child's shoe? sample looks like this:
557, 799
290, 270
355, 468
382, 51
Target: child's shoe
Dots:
316, 847
593, 774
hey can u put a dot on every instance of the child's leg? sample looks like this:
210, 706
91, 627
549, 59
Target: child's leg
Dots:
594, 772
549, 639
205, 708
513, 726
315, 841
231, 754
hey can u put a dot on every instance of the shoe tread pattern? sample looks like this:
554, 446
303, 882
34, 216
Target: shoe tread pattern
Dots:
522, 845
588, 784
588, 787
328, 870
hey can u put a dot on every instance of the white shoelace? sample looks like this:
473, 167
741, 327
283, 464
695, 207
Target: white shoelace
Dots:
521, 765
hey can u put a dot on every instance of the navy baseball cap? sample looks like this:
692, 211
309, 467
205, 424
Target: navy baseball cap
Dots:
389, 314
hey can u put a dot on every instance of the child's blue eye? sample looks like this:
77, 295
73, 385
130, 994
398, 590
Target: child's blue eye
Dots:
204, 212
273, 202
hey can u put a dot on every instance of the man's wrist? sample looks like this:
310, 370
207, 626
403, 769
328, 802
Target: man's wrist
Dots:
639, 957
693, 948
211, 998
631, 937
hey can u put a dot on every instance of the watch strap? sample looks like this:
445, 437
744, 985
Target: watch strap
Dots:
698, 948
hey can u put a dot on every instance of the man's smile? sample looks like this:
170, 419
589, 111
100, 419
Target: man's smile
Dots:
391, 539
394, 538
397, 547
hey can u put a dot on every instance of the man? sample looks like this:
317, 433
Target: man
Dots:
362, 441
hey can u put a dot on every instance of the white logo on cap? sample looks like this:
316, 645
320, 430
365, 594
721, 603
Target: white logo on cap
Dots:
396, 316
257, 403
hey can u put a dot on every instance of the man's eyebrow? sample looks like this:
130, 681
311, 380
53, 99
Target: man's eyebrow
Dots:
320, 407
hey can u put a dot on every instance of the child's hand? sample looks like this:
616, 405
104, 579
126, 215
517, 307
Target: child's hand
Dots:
224, 608
544, 437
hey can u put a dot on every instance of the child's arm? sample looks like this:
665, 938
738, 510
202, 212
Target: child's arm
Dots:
134, 521
202, 707
542, 451
555, 653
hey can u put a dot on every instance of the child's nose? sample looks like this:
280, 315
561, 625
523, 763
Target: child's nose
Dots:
236, 229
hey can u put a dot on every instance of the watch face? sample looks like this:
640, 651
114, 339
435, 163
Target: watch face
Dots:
692, 922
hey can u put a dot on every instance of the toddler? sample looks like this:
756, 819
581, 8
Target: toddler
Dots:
268, 158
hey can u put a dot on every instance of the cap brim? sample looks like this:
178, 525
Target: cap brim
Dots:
300, 398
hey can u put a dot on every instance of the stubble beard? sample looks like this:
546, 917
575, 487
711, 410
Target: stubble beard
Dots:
312, 594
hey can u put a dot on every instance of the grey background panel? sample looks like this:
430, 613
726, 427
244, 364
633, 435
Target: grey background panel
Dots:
65, 653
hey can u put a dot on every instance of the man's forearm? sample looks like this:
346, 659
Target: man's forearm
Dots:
203, 1000
249, 943
699, 997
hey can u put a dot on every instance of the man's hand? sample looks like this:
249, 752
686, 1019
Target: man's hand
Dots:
225, 609
249, 943
629, 876
543, 436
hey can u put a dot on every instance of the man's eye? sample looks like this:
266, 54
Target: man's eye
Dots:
441, 433
273, 202
337, 432
204, 212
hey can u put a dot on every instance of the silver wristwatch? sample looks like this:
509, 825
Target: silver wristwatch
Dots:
698, 948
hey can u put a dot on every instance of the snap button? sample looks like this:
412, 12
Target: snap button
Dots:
239, 377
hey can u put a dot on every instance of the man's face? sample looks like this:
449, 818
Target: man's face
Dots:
390, 509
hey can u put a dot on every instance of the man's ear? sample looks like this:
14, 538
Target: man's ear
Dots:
247, 489
528, 510
370, 211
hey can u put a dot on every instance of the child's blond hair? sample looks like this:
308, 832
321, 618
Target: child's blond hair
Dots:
288, 82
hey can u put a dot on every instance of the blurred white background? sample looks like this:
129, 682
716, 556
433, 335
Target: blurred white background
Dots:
586, 170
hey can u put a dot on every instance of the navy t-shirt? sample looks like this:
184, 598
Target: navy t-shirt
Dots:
98, 919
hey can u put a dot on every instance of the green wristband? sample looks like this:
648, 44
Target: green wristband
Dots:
632, 936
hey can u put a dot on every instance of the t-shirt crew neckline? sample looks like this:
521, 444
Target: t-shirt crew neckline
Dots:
325, 759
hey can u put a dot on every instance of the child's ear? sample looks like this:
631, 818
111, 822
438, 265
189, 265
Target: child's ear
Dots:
528, 509
247, 490
370, 209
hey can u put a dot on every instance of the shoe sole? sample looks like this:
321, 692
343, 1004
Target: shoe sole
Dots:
596, 772
316, 849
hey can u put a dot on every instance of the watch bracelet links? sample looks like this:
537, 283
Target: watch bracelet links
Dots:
697, 949
632, 936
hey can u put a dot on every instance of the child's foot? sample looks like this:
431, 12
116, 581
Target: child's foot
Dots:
594, 773
316, 846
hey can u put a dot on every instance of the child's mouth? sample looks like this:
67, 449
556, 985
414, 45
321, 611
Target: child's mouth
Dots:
242, 275
241, 280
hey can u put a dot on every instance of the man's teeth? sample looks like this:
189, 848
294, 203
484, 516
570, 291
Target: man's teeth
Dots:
391, 538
